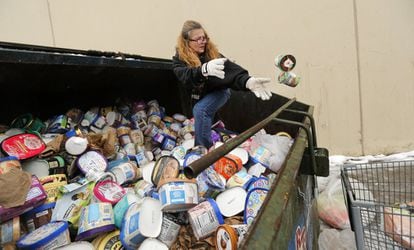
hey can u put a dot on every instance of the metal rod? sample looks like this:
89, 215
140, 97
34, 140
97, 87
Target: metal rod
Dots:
196, 167
310, 139
315, 144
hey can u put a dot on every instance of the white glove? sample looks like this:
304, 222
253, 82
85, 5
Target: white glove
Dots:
256, 85
214, 67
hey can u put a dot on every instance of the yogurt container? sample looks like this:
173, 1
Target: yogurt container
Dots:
178, 194
205, 218
95, 219
49, 236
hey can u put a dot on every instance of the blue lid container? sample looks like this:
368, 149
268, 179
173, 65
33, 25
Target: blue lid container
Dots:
51, 235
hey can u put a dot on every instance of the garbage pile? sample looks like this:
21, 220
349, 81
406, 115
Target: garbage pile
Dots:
112, 178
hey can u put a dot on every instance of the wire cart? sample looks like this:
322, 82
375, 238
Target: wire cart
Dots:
380, 201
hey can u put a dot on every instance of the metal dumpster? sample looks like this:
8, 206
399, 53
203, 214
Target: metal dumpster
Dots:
45, 81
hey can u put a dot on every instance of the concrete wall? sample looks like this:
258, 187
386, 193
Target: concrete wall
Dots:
356, 58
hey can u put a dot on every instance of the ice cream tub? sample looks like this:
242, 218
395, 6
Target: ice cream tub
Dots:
151, 244
51, 184
261, 155
261, 182
10, 231
95, 219
166, 167
239, 179
126, 172
23, 146
205, 218
229, 237
169, 231
131, 235
108, 241
178, 194
121, 207
231, 202
108, 191
49, 236
285, 62
254, 201
210, 183
38, 216
168, 143
34, 198
143, 188
150, 218
78, 245
228, 165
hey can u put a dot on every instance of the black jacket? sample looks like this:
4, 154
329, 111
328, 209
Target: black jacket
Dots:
198, 85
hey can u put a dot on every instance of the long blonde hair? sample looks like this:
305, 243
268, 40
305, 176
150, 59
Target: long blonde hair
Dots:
188, 55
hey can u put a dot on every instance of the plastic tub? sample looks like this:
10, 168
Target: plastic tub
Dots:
178, 195
38, 216
108, 191
49, 236
205, 218
95, 219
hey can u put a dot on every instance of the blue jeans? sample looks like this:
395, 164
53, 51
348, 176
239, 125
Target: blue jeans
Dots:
204, 111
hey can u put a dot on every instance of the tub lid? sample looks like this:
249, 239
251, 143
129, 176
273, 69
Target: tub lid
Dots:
190, 158
147, 171
38, 167
42, 235
231, 201
92, 161
76, 145
188, 144
254, 201
151, 244
40, 208
150, 217
23, 146
108, 191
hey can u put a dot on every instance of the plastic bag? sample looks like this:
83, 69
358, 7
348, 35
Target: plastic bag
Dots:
331, 206
334, 239
277, 146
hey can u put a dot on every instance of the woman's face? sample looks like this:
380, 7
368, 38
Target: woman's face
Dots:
197, 40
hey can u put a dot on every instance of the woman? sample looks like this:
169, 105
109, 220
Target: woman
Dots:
208, 75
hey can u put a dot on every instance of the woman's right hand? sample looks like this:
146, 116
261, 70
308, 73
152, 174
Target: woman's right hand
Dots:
214, 67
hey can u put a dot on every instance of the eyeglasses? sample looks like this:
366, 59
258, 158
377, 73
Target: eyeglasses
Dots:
201, 39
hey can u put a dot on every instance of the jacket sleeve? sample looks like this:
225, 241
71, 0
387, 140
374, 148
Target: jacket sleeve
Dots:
189, 76
235, 78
